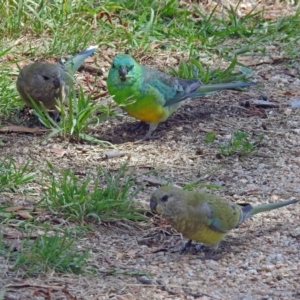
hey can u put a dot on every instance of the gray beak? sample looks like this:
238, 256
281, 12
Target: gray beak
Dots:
123, 73
153, 205
56, 83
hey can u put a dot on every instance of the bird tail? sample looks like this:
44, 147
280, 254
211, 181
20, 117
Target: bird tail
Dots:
205, 89
270, 206
76, 61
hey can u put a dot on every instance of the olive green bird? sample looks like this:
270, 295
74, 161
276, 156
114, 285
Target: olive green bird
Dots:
204, 217
153, 96
48, 82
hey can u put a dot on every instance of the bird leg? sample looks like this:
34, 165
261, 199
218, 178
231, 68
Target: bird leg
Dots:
186, 245
210, 253
148, 135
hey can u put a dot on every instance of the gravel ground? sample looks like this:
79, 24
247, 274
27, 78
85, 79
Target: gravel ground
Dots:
259, 260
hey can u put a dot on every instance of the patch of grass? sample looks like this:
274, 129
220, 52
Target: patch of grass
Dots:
11, 176
46, 253
195, 183
75, 120
194, 69
102, 196
60, 20
71, 26
8, 102
239, 144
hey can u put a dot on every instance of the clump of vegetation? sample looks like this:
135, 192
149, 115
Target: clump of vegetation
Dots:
101, 196
239, 144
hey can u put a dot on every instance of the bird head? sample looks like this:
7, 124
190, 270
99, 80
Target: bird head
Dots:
47, 74
124, 67
166, 201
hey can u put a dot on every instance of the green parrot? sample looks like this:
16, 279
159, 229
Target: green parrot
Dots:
204, 217
47, 82
153, 96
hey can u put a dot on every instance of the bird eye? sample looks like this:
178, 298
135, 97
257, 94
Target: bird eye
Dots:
45, 77
165, 198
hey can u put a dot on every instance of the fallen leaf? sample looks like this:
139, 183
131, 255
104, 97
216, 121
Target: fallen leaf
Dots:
59, 151
154, 46
14, 208
291, 72
25, 214
132, 252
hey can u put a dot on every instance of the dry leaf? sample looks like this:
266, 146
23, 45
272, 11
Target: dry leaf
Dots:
14, 208
154, 46
25, 214
132, 252
59, 151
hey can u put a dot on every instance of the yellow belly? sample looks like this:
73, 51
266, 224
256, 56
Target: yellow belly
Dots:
197, 231
147, 111
206, 235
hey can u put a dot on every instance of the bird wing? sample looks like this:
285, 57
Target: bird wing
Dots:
172, 89
76, 61
224, 215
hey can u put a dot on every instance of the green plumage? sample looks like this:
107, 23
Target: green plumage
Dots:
152, 96
204, 217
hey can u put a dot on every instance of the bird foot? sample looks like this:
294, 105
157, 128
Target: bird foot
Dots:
183, 248
209, 254
198, 247
146, 138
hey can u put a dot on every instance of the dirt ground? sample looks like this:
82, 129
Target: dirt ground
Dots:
260, 260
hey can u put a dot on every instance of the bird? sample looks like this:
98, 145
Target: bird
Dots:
204, 217
44, 82
153, 96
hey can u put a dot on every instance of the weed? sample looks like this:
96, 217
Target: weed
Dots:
49, 252
11, 176
74, 122
89, 198
238, 144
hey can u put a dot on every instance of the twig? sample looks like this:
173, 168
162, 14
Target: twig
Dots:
91, 69
268, 104
23, 285
114, 153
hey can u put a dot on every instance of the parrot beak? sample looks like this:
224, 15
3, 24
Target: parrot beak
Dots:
123, 73
153, 204
56, 83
